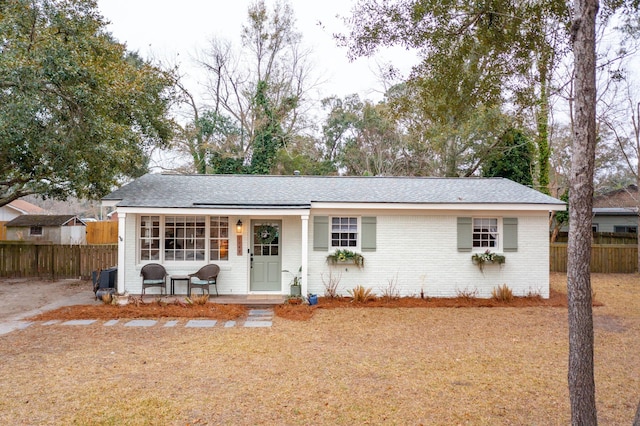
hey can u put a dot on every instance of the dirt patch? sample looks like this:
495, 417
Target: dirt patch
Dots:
21, 295
608, 323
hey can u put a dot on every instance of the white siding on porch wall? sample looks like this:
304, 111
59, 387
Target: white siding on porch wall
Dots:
291, 249
419, 253
233, 278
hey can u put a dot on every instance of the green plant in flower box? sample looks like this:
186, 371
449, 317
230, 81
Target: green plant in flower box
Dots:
481, 259
346, 256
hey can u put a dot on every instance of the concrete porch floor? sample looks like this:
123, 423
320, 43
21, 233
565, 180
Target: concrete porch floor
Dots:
228, 299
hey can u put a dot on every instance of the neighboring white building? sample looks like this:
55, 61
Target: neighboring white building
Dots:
18, 208
417, 233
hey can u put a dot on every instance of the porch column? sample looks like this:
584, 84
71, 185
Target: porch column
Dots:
121, 253
305, 252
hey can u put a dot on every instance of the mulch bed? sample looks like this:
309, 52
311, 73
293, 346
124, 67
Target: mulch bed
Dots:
292, 312
304, 312
145, 310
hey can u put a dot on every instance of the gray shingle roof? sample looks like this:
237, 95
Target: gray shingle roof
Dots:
40, 220
251, 191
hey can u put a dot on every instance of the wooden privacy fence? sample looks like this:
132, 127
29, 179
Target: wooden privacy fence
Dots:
105, 232
604, 238
19, 259
605, 258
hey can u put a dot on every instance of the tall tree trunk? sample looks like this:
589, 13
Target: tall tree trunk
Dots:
581, 369
543, 126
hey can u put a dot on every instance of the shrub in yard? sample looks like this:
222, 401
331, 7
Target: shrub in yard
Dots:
467, 294
199, 299
391, 292
534, 294
361, 294
502, 293
331, 285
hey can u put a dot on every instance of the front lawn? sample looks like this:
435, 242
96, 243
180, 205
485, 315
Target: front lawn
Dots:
343, 366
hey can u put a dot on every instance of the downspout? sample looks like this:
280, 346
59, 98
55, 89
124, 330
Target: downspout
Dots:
121, 252
305, 254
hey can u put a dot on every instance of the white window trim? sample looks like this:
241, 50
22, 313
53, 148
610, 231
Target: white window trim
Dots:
207, 244
355, 248
500, 231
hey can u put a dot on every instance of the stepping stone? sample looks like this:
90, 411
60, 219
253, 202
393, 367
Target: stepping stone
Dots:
79, 322
263, 318
171, 323
201, 323
141, 323
229, 324
51, 322
257, 324
111, 322
260, 312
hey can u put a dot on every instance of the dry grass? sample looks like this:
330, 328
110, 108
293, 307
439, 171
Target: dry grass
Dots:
344, 366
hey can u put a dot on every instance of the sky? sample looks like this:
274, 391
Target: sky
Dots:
174, 32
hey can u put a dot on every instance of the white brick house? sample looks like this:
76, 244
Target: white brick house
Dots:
417, 233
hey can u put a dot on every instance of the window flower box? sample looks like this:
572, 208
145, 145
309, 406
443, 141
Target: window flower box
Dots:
480, 259
346, 257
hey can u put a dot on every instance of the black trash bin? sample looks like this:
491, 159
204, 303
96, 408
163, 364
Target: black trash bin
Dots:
108, 279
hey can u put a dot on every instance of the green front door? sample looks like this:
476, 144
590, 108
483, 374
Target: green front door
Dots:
266, 262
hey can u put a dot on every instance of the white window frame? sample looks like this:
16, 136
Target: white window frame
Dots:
36, 234
358, 233
163, 238
498, 237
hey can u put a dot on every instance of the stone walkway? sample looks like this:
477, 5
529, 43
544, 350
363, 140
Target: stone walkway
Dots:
257, 318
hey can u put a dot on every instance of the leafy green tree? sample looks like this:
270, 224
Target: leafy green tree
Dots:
474, 55
78, 114
271, 55
513, 160
362, 138
269, 137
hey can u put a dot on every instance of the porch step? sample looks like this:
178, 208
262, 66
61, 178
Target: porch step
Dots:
259, 318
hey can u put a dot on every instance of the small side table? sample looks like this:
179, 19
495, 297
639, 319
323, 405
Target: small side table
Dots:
175, 278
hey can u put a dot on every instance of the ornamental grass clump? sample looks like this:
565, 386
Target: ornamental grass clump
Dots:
502, 293
199, 299
361, 294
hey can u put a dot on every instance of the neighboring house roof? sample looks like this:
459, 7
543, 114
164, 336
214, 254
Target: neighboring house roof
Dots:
252, 191
25, 207
40, 220
615, 211
624, 197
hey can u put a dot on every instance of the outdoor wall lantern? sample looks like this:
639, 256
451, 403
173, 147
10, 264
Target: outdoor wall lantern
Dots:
239, 227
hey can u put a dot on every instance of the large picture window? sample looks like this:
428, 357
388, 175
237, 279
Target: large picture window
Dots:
184, 238
485, 232
344, 232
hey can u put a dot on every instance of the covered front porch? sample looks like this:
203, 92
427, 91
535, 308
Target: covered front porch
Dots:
258, 251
